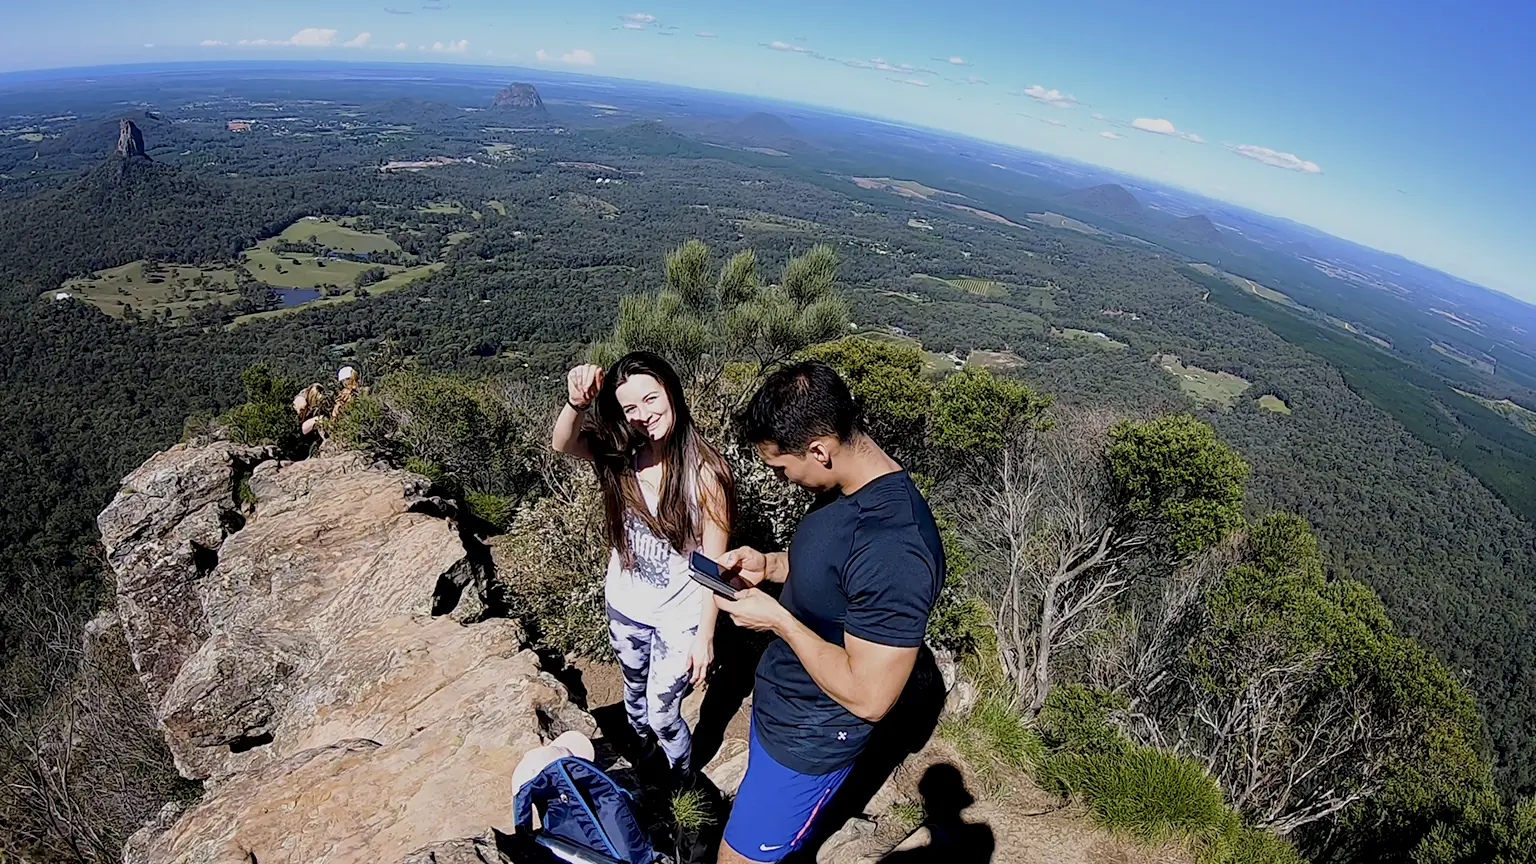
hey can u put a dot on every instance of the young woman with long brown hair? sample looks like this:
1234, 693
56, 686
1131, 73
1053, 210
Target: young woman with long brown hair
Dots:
666, 493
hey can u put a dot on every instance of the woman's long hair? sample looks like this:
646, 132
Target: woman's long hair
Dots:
684, 456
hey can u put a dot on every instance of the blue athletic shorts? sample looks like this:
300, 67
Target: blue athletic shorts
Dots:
776, 807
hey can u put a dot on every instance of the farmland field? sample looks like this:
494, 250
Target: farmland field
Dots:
968, 284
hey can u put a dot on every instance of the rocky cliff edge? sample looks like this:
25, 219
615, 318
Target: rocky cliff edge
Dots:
311, 635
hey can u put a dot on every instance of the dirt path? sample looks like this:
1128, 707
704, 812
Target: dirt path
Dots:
1025, 826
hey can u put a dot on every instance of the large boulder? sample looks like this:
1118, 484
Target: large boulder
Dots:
319, 657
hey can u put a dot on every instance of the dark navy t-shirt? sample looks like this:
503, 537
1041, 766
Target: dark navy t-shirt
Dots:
869, 564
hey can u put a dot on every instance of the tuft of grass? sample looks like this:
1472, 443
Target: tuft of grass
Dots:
691, 810
1147, 793
910, 814
244, 492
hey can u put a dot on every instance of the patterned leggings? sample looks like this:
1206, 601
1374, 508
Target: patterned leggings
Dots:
656, 678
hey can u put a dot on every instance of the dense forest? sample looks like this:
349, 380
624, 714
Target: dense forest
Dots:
1390, 482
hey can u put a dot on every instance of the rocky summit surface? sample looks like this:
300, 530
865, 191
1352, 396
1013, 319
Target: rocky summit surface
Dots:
130, 141
310, 634
520, 96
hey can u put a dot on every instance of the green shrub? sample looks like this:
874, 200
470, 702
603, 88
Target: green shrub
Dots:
490, 508
254, 423
1075, 720
267, 417
974, 412
361, 424
486, 434
549, 571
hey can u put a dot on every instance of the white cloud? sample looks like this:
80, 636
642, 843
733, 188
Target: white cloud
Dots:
633, 25
640, 18
959, 61
459, 47
579, 57
780, 46
974, 80
1288, 161
149, 44
313, 37
916, 82
401, 46
541, 55
309, 37
1050, 120
1100, 117
1113, 136
1050, 97
211, 43
358, 41
1159, 126
706, 34
857, 64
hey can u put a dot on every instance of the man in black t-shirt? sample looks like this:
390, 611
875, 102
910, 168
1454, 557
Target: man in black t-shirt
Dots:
860, 577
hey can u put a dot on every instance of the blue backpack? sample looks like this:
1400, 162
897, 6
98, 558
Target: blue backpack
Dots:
581, 807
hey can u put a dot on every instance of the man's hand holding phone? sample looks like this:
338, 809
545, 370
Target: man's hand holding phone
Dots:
745, 565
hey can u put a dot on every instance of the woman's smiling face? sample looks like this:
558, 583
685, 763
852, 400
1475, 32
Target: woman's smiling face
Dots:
646, 405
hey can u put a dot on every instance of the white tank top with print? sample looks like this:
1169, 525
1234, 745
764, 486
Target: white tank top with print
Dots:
657, 591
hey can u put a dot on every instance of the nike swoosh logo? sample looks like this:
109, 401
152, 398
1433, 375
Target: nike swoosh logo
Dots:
763, 847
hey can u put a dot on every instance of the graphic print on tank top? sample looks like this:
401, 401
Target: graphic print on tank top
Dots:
653, 554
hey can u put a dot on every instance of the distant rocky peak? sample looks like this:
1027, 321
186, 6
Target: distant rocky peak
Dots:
518, 95
130, 141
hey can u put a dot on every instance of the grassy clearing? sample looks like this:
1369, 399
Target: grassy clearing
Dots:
1271, 402
774, 223
904, 188
1067, 223
1249, 285
176, 287
452, 207
996, 361
1519, 415
908, 296
500, 208
1463, 358
299, 270
1095, 339
179, 289
337, 235
1219, 389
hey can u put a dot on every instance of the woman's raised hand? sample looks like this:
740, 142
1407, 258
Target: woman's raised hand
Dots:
582, 384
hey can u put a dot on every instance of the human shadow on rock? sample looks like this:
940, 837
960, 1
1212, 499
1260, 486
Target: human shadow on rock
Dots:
951, 838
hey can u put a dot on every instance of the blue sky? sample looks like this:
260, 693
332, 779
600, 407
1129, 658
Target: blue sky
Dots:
1403, 125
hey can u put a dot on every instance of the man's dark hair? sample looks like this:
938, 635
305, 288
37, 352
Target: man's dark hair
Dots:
799, 404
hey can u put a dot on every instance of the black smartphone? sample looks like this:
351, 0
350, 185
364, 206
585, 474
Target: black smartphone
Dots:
707, 573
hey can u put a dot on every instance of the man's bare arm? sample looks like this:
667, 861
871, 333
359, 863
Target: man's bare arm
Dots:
865, 677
